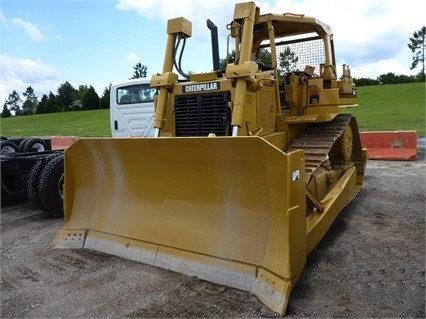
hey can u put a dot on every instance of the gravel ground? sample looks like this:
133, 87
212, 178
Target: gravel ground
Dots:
371, 263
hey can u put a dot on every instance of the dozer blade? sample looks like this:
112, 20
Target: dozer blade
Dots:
230, 210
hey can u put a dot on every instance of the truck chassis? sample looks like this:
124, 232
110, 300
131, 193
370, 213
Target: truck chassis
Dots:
32, 171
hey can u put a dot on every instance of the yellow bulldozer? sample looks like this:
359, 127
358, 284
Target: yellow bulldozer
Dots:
248, 167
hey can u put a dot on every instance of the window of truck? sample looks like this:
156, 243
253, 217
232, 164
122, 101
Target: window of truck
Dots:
137, 93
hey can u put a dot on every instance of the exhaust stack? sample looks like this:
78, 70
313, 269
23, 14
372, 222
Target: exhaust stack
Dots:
215, 44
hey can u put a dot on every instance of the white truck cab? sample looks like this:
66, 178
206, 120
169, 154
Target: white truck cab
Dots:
132, 108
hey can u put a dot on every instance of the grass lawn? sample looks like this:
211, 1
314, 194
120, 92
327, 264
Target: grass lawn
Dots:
398, 107
81, 124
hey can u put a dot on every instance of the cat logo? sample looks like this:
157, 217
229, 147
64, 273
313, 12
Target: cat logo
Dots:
201, 87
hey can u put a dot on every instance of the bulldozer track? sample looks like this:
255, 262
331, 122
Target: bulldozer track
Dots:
318, 139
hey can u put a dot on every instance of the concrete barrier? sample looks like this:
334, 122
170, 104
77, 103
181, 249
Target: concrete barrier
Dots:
62, 142
390, 145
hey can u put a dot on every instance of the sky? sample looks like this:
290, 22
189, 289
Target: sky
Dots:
44, 43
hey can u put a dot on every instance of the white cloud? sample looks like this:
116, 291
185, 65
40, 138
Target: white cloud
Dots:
3, 20
133, 57
18, 74
220, 12
100, 88
371, 36
32, 30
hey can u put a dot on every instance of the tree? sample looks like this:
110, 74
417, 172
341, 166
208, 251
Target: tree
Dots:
30, 103
91, 100
365, 81
6, 112
417, 46
288, 60
67, 94
105, 98
388, 78
78, 103
51, 105
140, 71
13, 103
42, 105
266, 57
230, 59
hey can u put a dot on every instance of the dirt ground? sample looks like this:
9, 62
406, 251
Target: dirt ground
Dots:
370, 264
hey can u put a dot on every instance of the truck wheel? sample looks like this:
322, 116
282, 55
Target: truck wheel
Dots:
33, 144
21, 144
50, 186
33, 178
8, 147
12, 189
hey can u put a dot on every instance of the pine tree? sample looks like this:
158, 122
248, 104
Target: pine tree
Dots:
13, 103
417, 46
30, 103
6, 112
140, 71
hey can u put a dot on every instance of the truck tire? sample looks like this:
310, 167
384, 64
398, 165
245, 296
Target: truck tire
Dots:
50, 184
12, 187
8, 147
21, 144
33, 144
33, 178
